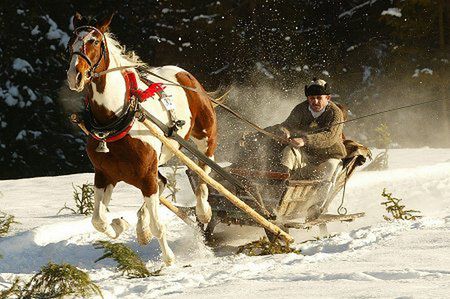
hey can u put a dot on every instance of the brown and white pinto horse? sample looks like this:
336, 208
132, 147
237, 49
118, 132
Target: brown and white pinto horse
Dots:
135, 158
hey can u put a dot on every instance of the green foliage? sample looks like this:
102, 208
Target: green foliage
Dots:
397, 210
380, 162
84, 200
129, 263
54, 281
384, 138
14, 291
264, 247
5, 223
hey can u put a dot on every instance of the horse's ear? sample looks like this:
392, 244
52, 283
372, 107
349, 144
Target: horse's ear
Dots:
78, 20
103, 25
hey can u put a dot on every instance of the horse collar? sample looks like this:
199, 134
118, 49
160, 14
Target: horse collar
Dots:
118, 128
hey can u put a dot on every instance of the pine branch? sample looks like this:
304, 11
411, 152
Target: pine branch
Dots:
264, 247
397, 210
83, 197
129, 263
5, 223
54, 281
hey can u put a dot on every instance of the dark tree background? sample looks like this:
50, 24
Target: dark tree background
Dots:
376, 54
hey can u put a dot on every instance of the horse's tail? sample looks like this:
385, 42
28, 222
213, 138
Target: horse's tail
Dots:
220, 99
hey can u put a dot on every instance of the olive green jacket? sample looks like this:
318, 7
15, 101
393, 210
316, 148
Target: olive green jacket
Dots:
323, 135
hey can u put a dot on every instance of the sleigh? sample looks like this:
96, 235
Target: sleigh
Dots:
289, 202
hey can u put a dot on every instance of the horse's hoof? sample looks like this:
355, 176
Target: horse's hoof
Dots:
143, 233
100, 226
119, 225
203, 217
169, 258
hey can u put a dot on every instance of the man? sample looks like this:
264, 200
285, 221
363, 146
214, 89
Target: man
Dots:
316, 127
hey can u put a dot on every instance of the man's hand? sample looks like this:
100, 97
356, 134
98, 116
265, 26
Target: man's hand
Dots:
286, 133
299, 141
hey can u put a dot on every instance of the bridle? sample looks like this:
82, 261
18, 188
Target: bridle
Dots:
82, 54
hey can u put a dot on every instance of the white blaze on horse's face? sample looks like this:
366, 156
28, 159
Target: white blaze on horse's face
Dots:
77, 72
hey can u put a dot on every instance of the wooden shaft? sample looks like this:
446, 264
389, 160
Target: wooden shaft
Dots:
177, 211
216, 185
74, 118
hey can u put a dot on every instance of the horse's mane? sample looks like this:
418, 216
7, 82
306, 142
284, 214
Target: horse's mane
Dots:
121, 56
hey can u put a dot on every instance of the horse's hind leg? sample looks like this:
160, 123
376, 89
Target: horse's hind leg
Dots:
203, 208
158, 229
102, 197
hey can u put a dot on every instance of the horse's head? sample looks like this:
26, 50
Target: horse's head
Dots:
88, 50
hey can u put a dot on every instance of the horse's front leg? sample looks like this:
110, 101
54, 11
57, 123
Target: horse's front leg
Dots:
157, 228
144, 235
102, 197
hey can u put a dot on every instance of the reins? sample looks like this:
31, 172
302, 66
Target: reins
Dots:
373, 114
234, 113
252, 124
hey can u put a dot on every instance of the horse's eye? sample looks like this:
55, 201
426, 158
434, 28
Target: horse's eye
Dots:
96, 42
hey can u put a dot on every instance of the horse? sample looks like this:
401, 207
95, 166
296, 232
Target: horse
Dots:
133, 156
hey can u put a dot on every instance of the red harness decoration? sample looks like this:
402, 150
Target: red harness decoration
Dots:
142, 95
131, 90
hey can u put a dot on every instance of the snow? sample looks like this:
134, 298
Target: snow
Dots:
162, 39
11, 95
351, 11
35, 30
426, 71
206, 17
369, 258
261, 68
25, 133
31, 93
10, 100
367, 72
226, 66
394, 11
55, 33
22, 65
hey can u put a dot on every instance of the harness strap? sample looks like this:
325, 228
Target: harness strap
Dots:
142, 95
117, 130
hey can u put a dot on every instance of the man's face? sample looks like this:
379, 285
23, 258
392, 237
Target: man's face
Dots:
317, 103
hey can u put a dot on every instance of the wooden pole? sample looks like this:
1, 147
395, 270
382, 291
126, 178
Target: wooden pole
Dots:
216, 185
75, 119
177, 211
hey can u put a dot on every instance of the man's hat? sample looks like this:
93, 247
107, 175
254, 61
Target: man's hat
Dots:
317, 87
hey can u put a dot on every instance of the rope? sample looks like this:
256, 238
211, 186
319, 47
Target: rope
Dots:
253, 125
375, 113
236, 114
